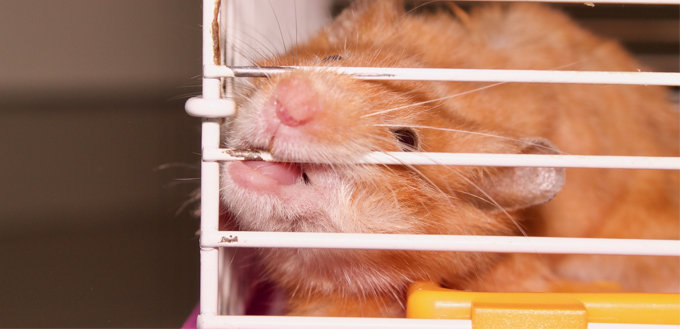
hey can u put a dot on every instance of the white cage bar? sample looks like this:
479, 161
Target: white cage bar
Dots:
211, 100
212, 105
474, 159
471, 243
591, 3
486, 75
286, 322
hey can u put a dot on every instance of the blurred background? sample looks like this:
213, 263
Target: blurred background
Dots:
98, 159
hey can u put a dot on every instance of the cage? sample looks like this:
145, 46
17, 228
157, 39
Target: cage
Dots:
222, 305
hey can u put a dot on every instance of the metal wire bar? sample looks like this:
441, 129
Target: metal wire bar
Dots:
475, 159
592, 3
283, 322
501, 244
209, 170
251, 322
486, 75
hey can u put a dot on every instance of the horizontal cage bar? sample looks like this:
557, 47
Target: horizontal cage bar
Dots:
486, 75
468, 243
592, 3
475, 159
209, 322
282, 322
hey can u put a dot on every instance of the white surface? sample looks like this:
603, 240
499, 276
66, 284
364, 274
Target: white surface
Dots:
267, 322
483, 159
210, 108
209, 173
590, 3
468, 243
488, 75
254, 322
268, 27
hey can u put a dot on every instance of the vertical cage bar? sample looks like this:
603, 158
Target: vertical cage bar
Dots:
209, 170
227, 291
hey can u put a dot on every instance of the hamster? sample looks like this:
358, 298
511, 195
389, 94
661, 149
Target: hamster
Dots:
317, 123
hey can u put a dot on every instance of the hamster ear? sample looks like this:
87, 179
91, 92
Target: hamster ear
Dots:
515, 188
364, 20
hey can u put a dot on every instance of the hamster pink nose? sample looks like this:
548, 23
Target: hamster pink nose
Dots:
295, 102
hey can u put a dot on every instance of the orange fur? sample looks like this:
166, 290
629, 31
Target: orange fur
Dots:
578, 119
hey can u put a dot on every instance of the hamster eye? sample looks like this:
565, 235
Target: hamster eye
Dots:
407, 138
332, 58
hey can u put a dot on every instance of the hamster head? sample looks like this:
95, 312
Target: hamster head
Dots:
317, 123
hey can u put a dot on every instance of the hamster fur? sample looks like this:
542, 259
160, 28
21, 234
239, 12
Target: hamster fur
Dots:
331, 119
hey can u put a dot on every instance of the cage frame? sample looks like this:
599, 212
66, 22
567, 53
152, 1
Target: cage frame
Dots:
213, 105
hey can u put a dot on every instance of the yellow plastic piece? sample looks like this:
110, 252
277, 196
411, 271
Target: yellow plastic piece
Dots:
541, 310
557, 314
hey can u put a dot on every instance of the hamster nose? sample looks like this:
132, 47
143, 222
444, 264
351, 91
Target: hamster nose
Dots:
295, 102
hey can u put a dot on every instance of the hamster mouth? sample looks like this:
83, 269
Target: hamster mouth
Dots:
264, 176
281, 172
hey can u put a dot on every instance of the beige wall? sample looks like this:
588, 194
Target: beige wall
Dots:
67, 45
89, 85
91, 103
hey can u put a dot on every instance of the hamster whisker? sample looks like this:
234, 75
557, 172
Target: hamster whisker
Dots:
537, 145
239, 43
185, 96
276, 17
425, 3
181, 181
477, 187
248, 56
414, 189
434, 100
194, 197
491, 199
296, 26
177, 165
446, 196
424, 177
390, 187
